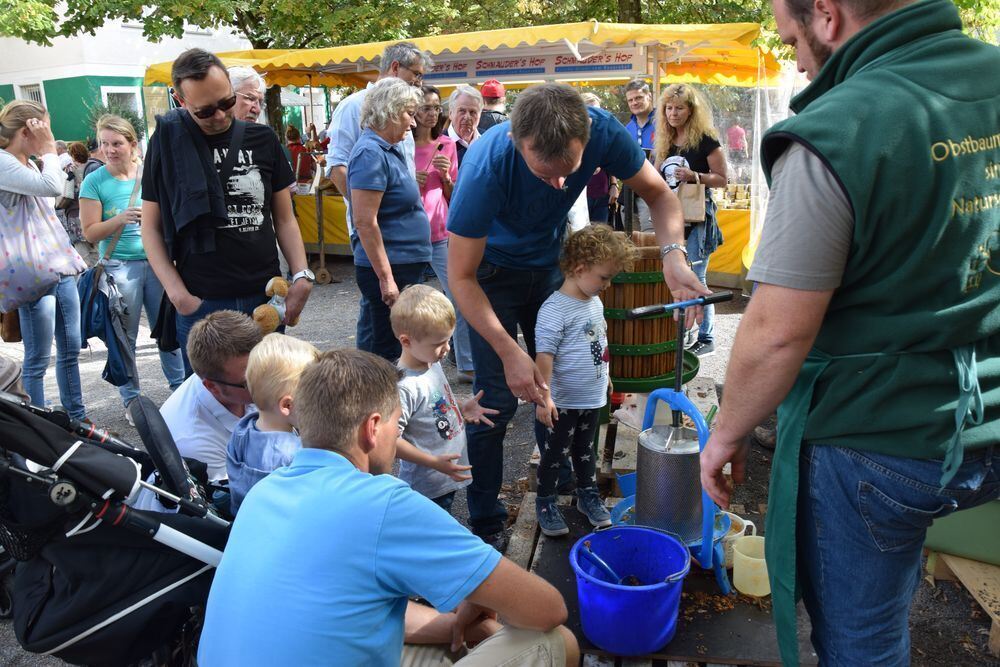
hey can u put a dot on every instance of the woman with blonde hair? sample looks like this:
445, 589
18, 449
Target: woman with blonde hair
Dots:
26, 205
687, 150
111, 215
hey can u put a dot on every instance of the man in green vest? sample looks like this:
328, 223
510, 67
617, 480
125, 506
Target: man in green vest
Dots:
876, 324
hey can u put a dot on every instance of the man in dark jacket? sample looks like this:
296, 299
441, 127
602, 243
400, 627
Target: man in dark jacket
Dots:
215, 202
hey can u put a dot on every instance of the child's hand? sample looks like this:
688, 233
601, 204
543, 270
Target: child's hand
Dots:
445, 465
547, 413
475, 413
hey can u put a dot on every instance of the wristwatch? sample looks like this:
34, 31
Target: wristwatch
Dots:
305, 273
674, 246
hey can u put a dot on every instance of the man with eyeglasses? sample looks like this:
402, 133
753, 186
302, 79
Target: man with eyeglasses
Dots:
641, 126
249, 88
215, 200
403, 60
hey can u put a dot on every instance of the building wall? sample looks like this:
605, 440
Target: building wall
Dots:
70, 100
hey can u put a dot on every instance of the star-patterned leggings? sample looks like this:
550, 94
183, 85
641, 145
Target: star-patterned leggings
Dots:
572, 435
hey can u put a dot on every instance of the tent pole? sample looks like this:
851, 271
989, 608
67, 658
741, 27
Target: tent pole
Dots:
656, 76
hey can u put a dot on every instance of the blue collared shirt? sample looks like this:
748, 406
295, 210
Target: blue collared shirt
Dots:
321, 562
376, 164
643, 136
522, 217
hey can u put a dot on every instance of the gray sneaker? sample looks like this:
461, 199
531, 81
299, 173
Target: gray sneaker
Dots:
589, 502
550, 519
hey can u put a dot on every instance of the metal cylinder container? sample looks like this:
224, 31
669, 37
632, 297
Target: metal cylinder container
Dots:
668, 481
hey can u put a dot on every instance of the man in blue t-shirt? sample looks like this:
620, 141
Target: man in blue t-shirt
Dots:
326, 553
642, 128
507, 218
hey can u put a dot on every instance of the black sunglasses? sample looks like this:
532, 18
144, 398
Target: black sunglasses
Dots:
209, 111
242, 385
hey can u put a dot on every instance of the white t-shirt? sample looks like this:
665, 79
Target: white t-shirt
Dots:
200, 425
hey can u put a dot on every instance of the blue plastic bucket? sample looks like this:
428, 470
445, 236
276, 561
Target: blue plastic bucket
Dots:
631, 620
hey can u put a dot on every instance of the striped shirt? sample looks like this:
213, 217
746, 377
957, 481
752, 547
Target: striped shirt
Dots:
574, 332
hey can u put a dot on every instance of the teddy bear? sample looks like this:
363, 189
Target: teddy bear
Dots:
269, 316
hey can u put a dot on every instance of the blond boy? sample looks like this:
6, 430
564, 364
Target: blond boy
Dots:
266, 440
432, 446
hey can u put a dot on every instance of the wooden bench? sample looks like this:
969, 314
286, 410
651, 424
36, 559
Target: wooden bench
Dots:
982, 580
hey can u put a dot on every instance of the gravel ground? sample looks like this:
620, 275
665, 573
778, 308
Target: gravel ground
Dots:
948, 627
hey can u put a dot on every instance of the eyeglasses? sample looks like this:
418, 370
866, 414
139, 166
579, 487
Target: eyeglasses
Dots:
417, 76
429, 108
209, 111
242, 385
253, 99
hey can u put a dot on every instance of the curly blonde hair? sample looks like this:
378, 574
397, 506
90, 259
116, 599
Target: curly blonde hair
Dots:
596, 244
698, 126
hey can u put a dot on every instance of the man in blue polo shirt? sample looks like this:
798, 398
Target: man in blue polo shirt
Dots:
326, 552
642, 128
507, 219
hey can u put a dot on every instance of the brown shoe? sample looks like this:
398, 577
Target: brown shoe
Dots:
765, 436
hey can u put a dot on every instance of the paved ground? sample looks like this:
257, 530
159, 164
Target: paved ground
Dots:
328, 322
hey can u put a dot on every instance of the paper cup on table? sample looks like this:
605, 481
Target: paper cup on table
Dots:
749, 567
737, 528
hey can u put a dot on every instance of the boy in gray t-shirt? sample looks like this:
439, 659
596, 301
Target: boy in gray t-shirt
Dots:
432, 446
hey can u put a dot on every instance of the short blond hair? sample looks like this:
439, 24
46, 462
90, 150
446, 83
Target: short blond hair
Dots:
422, 311
275, 366
338, 392
219, 337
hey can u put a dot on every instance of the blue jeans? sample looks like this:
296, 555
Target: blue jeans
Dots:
706, 334
463, 351
861, 523
383, 340
516, 296
141, 289
55, 314
243, 304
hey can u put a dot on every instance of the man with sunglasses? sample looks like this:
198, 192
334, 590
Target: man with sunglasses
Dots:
203, 412
215, 200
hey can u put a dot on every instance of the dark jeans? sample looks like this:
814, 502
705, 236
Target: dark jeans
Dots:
599, 208
516, 296
379, 339
571, 435
446, 501
243, 304
862, 518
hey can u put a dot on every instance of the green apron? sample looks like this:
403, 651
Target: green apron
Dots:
780, 546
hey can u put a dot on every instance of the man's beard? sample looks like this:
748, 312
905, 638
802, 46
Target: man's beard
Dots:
820, 52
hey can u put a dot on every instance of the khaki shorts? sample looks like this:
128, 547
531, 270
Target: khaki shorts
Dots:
511, 647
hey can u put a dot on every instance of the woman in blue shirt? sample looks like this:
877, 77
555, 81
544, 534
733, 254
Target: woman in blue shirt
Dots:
391, 238
104, 211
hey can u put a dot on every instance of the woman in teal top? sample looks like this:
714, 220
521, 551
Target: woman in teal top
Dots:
104, 210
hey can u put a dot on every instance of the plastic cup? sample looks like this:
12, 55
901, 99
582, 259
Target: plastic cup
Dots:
737, 528
749, 567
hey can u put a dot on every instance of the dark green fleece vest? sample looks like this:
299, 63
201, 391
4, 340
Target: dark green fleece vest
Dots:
907, 117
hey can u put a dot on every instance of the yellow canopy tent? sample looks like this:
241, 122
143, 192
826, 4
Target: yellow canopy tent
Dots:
588, 51
160, 72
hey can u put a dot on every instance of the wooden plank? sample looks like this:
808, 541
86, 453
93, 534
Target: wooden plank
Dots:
625, 452
936, 569
522, 540
637, 662
591, 660
982, 580
533, 462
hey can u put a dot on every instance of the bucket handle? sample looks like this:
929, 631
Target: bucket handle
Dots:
679, 401
683, 572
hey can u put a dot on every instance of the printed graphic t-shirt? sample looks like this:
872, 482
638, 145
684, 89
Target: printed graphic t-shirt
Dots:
245, 256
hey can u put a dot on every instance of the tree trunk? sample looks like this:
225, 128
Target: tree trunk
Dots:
630, 11
275, 112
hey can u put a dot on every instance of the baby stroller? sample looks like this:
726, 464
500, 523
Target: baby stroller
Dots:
98, 582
